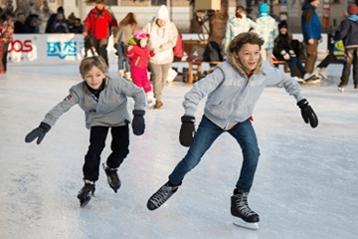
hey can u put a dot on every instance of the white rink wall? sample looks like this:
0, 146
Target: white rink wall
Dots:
54, 49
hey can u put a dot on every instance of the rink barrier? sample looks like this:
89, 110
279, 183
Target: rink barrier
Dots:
55, 49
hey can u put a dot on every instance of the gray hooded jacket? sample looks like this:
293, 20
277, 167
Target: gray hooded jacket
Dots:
110, 109
232, 96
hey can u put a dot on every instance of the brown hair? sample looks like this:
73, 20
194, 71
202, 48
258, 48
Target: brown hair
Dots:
129, 19
237, 43
89, 62
239, 8
243, 38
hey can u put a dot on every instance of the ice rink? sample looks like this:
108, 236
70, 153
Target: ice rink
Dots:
306, 185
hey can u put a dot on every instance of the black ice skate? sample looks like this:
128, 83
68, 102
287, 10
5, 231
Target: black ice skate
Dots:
112, 177
86, 192
243, 214
161, 196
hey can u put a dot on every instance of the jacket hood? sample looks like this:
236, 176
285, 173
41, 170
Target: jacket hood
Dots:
163, 13
307, 5
353, 18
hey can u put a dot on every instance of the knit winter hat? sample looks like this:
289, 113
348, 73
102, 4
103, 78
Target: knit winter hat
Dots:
282, 24
163, 13
352, 9
141, 34
264, 9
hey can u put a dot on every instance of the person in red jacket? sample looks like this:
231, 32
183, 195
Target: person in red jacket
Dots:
138, 55
98, 25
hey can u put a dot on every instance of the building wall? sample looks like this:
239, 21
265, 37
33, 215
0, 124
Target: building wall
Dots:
180, 11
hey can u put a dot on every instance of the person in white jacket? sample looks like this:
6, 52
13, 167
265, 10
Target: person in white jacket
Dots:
163, 35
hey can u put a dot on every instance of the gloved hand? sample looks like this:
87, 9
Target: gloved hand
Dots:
187, 130
138, 125
307, 113
38, 132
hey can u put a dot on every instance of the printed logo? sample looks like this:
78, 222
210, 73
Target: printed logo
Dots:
24, 46
61, 49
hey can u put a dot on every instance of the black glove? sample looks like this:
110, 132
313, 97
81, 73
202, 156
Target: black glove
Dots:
138, 125
187, 130
38, 132
307, 113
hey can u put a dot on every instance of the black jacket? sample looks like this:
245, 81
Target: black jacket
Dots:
348, 31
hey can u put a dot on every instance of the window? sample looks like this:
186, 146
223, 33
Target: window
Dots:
158, 2
112, 2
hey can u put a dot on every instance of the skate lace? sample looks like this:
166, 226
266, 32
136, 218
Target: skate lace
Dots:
242, 205
161, 196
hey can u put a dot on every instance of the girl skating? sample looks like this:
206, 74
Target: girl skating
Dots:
232, 91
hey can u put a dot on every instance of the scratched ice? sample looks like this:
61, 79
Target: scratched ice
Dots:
306, 184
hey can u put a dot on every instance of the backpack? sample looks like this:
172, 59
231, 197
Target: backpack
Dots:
178, 49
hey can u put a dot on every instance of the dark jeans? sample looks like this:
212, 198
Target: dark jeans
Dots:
207, 132
351, 58
119, 146
4, 57
122, 57
296, 67
101, 48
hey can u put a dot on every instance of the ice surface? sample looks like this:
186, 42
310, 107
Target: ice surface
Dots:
306, 185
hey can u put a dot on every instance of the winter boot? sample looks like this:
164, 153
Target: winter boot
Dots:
86, 192
112, 177
158, 104
150, 99
161, 196
240, 209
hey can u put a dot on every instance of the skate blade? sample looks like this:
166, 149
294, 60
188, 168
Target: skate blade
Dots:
247, 225
84, 202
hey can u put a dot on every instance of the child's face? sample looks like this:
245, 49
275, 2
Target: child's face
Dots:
94, 77
249, 56
143, 42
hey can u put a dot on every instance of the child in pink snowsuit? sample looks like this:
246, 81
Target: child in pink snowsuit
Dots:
138, 55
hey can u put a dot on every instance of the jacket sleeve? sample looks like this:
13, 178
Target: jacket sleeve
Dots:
87, 23
227, 38
277, 78
173, 35
307, 23
342, 31
201, 89
62, 107
129, 89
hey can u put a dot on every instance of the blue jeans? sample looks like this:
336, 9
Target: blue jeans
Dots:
206, 134
122, 57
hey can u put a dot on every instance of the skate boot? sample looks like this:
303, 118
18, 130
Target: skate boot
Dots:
150, 99
112, 177
161, 196
86, 192
243, 214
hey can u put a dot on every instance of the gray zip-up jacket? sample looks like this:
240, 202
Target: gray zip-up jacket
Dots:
232, 96
110, 109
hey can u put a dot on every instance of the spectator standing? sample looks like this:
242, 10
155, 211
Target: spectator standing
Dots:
99, 23
311, 29
127, 26
20, 26
6, 34
348, 32
52, 19
266, 27
163, 37
238, 24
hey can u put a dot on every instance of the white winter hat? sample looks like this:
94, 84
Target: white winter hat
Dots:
163, 13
